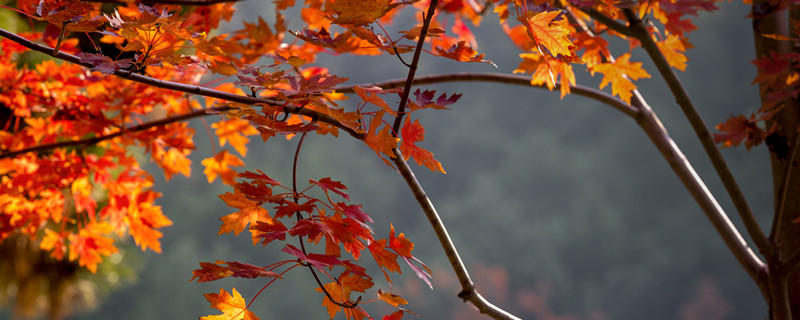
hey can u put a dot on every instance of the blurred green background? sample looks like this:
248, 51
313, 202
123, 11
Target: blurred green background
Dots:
561, 208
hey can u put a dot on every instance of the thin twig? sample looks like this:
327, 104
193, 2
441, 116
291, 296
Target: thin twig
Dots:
299, 216
412, 69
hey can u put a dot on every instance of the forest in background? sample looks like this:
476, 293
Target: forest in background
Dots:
561, 207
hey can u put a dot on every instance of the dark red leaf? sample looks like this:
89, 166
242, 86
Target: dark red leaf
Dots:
317, 260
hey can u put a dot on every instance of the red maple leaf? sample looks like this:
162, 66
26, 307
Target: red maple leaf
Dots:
413, 132
317, 260
400, 244
329, 185
216, 271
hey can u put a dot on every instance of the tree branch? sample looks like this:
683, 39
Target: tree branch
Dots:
412, 68
783, 192
179, 2
591, 93
192, 89
791, 264
611, 23
649, 123
652, 126
701, 130
468, 293
98, 139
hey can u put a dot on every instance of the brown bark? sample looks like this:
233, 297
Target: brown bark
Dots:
784, 236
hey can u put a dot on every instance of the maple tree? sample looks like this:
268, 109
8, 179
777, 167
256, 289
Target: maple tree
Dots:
70, 182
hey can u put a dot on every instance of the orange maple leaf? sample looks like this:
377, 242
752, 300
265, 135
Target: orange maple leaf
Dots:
341, 295
355, 282
619, 73
234, 131
462, 53
249, 212
144, 218
392, 299
400, 244
370, 95
549, 31
545, 72
90, 245
55, 243
338, 294
381, 141
176, 161
671, 48
413, 132
219, 165
359, 12
384, 258
232, 307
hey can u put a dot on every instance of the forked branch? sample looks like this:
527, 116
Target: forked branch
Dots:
638, 30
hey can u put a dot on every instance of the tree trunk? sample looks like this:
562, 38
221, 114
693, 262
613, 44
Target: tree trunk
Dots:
785, 234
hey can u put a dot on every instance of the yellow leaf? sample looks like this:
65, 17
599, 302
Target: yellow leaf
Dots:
232, 307
220, 165
234, 131
391, 298
359, 12
671, 48
553, 35
615, 73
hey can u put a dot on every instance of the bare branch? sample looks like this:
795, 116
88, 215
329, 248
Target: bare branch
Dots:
639, 31
652, 126
694, 184
611, 23
468, 292
595, 94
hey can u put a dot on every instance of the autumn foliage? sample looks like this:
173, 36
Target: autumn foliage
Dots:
133, 73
